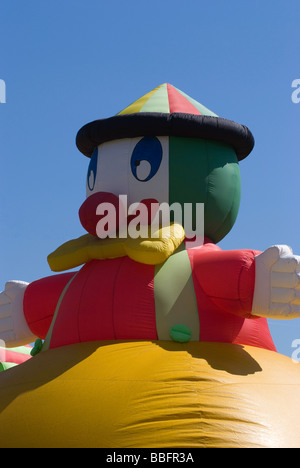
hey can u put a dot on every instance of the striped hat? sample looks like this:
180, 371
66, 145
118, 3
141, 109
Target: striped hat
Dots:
10, 357
166, 111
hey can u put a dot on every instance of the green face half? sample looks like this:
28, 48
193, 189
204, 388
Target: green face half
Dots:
204, 171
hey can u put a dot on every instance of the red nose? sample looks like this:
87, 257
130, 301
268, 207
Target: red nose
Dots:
102, 202
88, 211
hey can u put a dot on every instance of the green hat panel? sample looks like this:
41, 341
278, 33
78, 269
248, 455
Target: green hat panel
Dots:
203, 171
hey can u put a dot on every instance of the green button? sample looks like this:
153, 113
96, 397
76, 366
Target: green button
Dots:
37, 347
180, 333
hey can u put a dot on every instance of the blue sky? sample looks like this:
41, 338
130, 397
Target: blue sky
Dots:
67, 62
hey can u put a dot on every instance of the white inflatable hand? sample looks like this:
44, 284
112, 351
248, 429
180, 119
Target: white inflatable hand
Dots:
14, 330
277, 284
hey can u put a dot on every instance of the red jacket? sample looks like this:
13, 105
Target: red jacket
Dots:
208, 289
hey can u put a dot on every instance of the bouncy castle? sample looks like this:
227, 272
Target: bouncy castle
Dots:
161, 339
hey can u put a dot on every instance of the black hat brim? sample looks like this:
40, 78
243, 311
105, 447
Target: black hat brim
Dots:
100, 131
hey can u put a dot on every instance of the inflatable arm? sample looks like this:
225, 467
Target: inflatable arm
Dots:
40, 302
14, 330
26, 310
249, 283
227, 278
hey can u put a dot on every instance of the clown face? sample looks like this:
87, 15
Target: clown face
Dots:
168, 170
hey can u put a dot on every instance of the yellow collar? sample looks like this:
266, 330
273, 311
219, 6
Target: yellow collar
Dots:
151, 250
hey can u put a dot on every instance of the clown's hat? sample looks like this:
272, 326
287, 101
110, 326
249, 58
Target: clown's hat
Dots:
166, 111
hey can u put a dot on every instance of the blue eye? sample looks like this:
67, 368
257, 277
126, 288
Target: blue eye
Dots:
146, 158
92, 170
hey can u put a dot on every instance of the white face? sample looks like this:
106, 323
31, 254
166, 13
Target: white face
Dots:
136, 167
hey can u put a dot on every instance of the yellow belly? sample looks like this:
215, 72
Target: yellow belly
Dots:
151, 394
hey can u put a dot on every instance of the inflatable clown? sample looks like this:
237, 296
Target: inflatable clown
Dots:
161, 339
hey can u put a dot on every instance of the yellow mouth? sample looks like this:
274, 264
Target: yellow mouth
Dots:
151, 250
